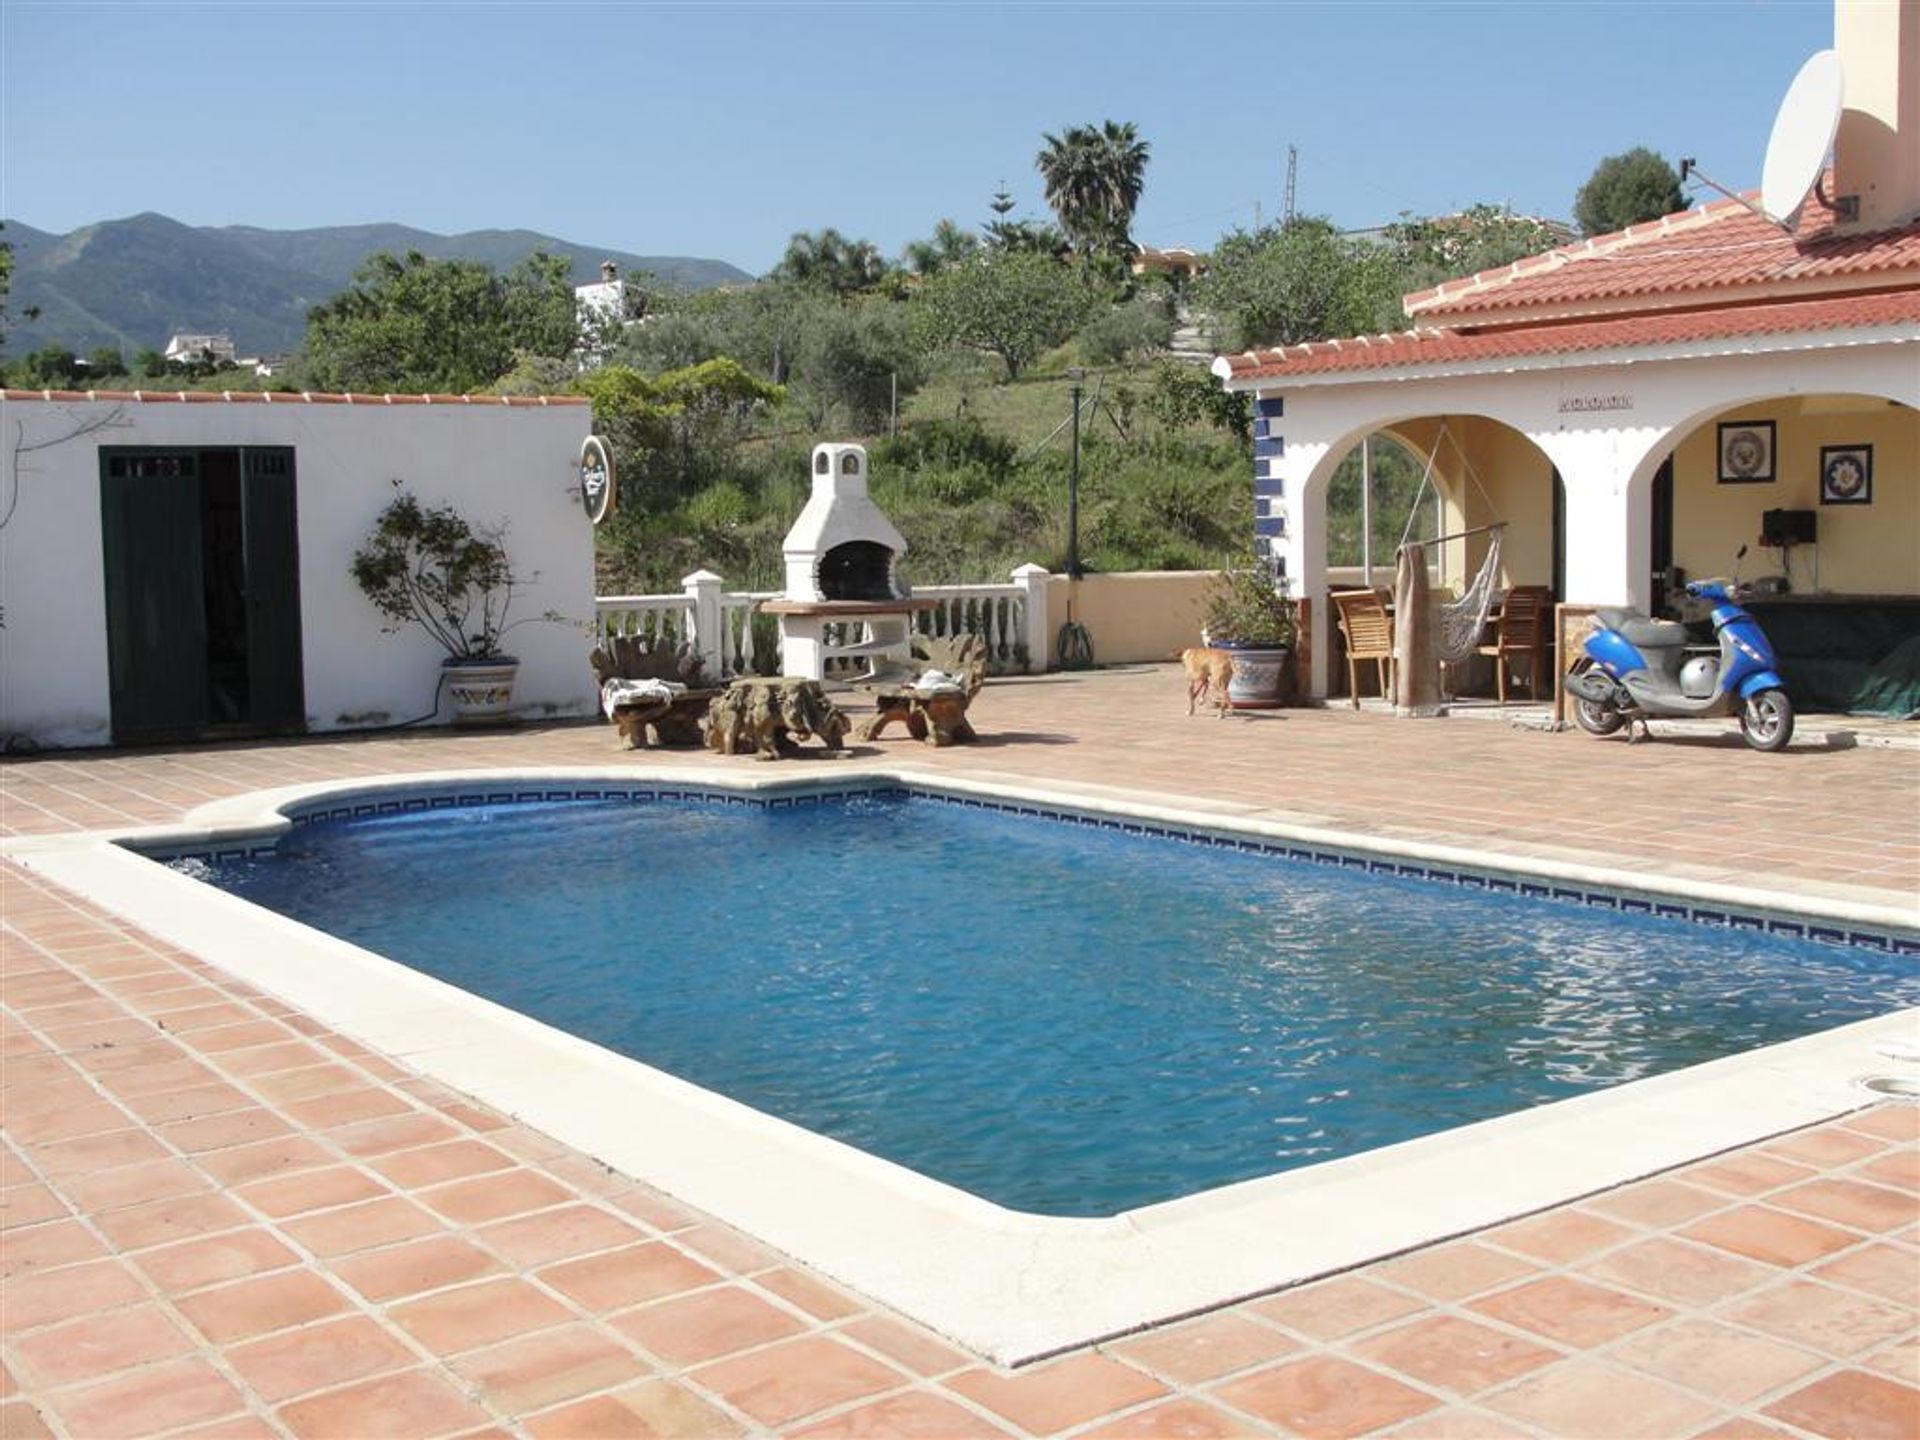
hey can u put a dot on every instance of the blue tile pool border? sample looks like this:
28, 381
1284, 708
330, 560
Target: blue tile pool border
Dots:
1716, 914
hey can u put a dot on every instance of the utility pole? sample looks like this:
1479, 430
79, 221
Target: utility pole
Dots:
1293, 173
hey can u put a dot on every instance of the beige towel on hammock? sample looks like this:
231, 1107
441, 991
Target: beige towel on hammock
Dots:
1416, 663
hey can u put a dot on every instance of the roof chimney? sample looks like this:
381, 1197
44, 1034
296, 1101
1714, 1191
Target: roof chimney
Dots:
609, 272
1876, 154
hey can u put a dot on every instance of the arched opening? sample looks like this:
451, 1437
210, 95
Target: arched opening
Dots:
1823, 490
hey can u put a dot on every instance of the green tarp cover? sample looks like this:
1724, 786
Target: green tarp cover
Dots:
1862, 658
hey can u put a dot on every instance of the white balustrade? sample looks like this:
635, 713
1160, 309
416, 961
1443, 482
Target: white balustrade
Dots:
722, 626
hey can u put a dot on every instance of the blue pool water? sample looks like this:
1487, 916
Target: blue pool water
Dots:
1063, 1019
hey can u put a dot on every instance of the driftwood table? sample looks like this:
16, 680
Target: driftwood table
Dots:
770, 716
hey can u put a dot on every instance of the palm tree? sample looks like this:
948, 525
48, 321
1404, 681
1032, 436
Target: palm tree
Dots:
827, 260
1094, 180
948, 245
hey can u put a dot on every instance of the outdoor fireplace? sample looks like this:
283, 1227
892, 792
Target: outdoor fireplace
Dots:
844, 601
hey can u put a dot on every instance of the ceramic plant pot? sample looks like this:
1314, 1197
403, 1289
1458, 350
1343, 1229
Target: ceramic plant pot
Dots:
1261, 676
481, 691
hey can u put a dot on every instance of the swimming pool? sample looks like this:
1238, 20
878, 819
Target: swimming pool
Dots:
1060, 1018
1008, 1285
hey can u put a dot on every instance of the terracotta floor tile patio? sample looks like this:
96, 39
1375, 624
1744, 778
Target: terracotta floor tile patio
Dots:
218, 1217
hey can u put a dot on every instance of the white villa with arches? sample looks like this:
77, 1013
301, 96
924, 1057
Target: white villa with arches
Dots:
1634, 404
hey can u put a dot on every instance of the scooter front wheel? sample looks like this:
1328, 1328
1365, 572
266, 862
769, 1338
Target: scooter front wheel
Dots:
1766, 720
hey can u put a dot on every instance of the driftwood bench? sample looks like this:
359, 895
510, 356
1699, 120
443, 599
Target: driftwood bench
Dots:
770, 716
939, 715
674, 721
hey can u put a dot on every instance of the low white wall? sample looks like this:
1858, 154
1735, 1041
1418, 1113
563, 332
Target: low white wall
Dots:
492, 462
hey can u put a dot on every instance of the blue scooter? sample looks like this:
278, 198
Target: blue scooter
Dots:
1636, 668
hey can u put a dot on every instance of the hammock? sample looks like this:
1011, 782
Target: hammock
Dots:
1459, 622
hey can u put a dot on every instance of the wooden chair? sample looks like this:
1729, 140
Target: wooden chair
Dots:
673, 722
939, 718
1525, 616
1368, 630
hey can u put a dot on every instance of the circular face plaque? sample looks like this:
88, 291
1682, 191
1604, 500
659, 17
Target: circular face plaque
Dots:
596, 478
1746, 453
1845, 477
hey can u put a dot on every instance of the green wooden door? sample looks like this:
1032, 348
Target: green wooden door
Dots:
156, 614
276, 691
201, 640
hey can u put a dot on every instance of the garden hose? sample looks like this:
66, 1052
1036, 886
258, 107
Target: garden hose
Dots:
1073, 650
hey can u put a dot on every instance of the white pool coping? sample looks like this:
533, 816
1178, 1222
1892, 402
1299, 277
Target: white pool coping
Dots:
1010, 1286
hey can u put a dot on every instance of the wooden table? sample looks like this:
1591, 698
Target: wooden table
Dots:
771, 715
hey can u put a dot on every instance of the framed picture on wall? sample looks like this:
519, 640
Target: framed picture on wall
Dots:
1746, 452
1846, 474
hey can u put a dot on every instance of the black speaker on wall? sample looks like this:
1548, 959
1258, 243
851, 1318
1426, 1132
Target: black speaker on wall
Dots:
1786, 527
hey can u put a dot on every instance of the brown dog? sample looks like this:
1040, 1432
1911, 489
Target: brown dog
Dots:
1208, 672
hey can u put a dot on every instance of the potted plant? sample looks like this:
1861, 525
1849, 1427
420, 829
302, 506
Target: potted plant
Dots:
1248, 615
428, 567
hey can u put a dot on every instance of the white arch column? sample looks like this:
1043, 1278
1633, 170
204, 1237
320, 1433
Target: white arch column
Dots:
1608, 476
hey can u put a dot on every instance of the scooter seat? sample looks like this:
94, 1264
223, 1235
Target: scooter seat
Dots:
1641, 631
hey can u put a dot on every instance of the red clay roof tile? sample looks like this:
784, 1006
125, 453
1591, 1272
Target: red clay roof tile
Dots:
282, 397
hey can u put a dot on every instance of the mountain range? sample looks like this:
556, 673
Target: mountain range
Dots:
133, 283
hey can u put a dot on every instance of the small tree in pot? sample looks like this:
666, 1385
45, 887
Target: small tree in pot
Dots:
1247, 613
428, 567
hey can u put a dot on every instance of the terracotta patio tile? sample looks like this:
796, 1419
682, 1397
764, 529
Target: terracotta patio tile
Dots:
26, 1205
196, 1263
1333, 1308
413, 1269
282, 1155
1770, 1236
1872, 1208
1324, 1395
368, 1138
19, 1420
1834, 1322
271, 1059
317, 1357
225, 1129
1890, 1271
727, 1248
46, 1247
1746, 1173
1886, 1122
494, 1197
298, 1194
1202, 1350
1900, 1169
810, 1293
227, 1038
1683, 1273
650, 1207
692, 1329
652, 1410
1560, 1237
91, 1154
164, 1221
1453, 1271
1742, 1427
1721, 1363
370, 1103
1655, 1203
623, 1278
536, 1371
197, 1102
48, 1297
1588, 1400
779, 1385
452, 1321
394, 1407
1058, 1394
1824, 1145
435, 1164
1462, 1422
918, 1414
906, 1345
150, 1079
134, 1185
306, 1083
148, 1402
1446, 1352
98, 1345
1901, 1361
261, 1305
234, 1427
361, 1227
1855, 1404
86, 1115
1569, 1311
557, 1234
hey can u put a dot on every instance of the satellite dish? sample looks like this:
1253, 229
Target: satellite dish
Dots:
1802, 138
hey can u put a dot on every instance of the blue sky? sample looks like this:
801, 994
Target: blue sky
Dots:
720, 129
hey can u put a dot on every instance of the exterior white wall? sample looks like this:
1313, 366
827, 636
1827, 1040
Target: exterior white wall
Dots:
1606, 426
491, 462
